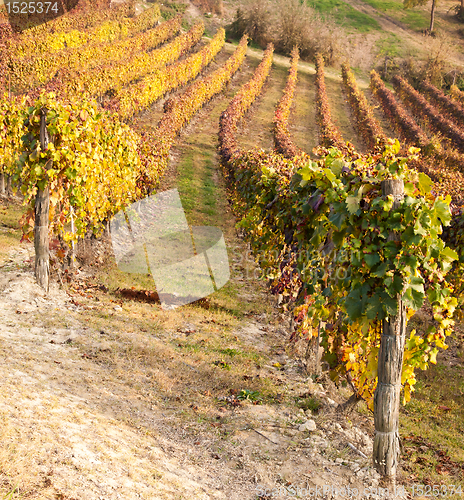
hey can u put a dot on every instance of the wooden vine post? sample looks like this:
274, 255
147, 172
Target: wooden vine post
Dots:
3, 177
41, 212
390, 363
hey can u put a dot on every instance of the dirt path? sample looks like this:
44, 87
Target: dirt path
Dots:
386, 22
302, 123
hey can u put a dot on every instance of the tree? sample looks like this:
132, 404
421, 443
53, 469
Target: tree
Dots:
409, 4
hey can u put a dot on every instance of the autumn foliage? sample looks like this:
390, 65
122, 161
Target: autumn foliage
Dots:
282, 140
367, 124
240, 104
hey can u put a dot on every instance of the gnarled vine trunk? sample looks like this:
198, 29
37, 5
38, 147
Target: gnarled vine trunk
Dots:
390, 363
41, 211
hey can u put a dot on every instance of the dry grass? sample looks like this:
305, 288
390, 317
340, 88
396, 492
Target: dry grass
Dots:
99, 399
340, 110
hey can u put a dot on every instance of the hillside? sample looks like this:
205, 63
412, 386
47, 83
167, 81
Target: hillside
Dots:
106, 395
373, 30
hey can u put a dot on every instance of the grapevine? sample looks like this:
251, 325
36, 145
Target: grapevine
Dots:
30, 45
114, 76
452, 109
438, 163
85, 14
43, 68
331, 217
94, 165
134, 98
457, 94
240, 104
282, 140
403, 123
329, 135
11, 131
436, 121
367, 124
16, 50
179, 111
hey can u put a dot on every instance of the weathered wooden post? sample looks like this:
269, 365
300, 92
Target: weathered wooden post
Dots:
4, 189
390, 363
385, 67
72, 263
41, 211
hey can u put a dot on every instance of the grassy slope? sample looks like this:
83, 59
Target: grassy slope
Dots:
345, 15
256, 131
416, 19
302, 123
199, 182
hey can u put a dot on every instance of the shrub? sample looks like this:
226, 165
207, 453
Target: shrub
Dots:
211, 6
255, 21
299, 25
288, 23
436, 68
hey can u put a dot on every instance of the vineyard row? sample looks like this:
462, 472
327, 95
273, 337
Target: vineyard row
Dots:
329, 135
240, 104
138, 96
27, 72
179, 111
435, 119
451, 108
283, 142
98, 81
105, 31
86, 14
367, 124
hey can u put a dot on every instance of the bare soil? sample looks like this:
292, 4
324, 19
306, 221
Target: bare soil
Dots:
77, 423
